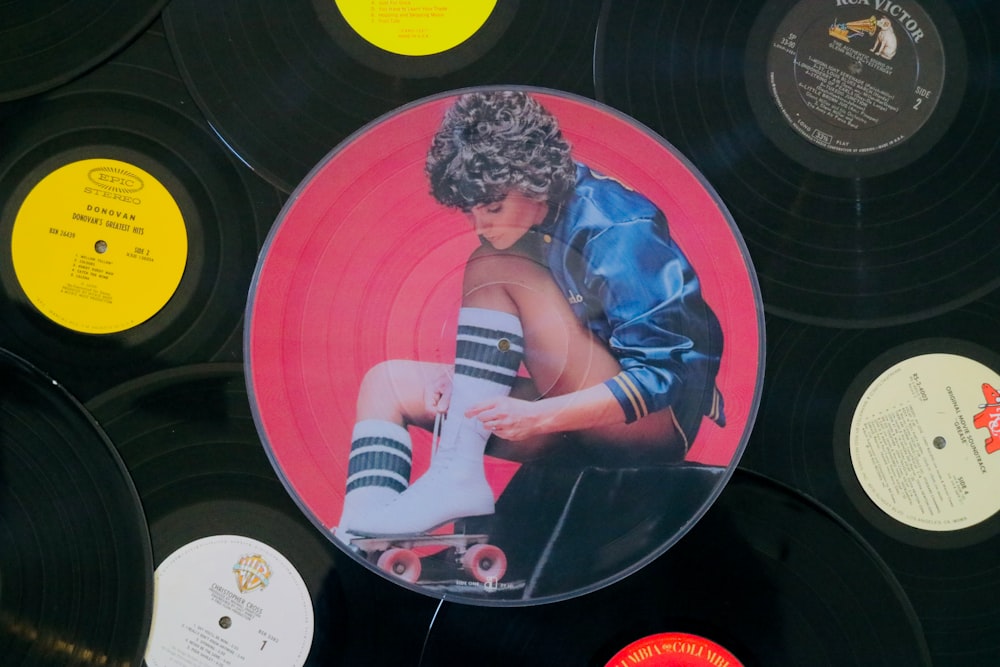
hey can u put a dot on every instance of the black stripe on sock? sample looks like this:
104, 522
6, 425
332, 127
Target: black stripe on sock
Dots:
484, 353
375, 462
381, 441
376, 480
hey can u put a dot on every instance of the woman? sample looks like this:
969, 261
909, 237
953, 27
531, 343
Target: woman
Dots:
578, 279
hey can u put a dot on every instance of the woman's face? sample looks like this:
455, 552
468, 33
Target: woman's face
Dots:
503, 223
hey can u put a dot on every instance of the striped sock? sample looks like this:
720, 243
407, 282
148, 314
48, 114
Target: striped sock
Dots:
488, 353
378, 469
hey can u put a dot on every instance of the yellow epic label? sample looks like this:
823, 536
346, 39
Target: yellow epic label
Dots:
99, 246
416, 27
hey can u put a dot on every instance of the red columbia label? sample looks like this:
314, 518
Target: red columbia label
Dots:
674, 649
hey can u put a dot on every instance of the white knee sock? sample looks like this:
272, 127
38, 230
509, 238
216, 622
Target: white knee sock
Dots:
488, 353
489, 350
378, 469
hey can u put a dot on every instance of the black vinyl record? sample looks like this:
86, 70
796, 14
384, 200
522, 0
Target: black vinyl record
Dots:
892, 428
188, 438
49, 43
285, 83
768, 576
130, 232
862, 178
76, 577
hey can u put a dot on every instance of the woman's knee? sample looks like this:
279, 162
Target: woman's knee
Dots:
489, 270
394, 389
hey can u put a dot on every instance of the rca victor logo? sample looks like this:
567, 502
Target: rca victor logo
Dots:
881, 28
989, 418
113, 179
252, 572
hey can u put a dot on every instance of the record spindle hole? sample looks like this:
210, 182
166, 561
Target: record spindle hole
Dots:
149, 227
856, 177
212, 499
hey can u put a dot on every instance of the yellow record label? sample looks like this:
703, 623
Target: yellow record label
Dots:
416, 27
99, 246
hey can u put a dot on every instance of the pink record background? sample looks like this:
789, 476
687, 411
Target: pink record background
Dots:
363, 266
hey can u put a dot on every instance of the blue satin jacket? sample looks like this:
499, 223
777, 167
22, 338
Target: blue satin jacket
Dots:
610, 250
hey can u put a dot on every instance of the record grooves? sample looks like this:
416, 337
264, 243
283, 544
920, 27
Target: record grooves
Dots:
837, 239
47, 44
768, 574
75, 562
198, 222
356, 302
283, 88
806, 435
188, 438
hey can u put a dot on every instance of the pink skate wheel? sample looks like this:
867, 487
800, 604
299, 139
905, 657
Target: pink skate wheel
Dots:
401, 563
485, 562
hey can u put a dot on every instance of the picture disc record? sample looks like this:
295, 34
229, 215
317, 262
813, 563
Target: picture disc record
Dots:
211, 498
49, 43
891, 429
767, 577
862, 181
365, 267
284, 85
130, 232
76, 575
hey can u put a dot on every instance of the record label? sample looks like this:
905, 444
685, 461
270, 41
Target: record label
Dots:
416, 27
767, 578
282, 93
229, 600
674, 649
99, 246
856, 77
923, 441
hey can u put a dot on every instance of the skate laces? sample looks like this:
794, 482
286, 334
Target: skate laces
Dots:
436, 433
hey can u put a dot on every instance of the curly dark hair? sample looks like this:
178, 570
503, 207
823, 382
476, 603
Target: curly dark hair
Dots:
491, 143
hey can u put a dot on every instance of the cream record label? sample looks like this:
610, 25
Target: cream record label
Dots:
923, 440
471, 311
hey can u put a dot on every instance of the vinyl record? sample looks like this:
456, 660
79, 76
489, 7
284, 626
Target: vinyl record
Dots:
366, 275
767, 577
48, 43
284, 85
891, 428
212, 499
130, 232
76, 575
862, 177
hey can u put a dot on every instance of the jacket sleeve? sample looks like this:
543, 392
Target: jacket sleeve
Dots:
666, 338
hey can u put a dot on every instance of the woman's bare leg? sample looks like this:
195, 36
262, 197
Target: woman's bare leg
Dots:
561, 356
391, 398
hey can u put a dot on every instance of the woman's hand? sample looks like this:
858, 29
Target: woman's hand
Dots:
516, 419
510, 418
437, 394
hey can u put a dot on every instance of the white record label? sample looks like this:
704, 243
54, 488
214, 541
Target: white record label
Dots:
226, 601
